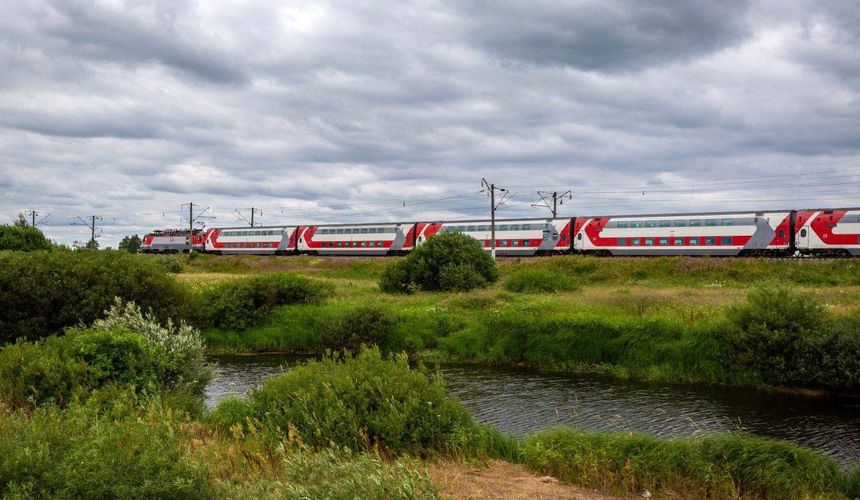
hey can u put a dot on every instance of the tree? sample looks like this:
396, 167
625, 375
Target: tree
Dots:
21, 221
449, 261
92, 244
22, 238
130, 244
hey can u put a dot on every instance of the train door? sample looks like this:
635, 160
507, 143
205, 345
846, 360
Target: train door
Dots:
802, 238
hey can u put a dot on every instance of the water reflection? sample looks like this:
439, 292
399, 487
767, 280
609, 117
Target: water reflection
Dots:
520, 402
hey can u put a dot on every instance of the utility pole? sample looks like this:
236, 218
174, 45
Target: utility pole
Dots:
191, 219
92, 225
253, 210
557, 199
493, 206
33, 213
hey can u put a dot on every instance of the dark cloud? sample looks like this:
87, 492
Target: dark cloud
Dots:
606, 35
354, 110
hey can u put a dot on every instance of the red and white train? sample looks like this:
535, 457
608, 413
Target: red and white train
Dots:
826, 232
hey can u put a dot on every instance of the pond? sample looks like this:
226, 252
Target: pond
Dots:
521, 401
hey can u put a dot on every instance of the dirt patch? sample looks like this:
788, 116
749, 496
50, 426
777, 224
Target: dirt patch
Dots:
502, 480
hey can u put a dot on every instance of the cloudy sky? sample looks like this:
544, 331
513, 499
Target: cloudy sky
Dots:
359, 111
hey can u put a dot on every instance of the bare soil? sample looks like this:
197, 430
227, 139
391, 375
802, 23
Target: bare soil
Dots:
502, 480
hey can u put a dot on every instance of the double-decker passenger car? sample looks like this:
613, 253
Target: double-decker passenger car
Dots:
828, 231
354, 239
717, 233
261, 240
523, 237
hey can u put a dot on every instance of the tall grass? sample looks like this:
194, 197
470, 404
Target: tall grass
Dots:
722, 466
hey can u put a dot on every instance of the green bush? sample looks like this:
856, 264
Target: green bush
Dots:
366, 325
126, 349
786, 339
43, 292
537, 280
82, 452
721, 466
396, 278
241, 303
449, 262
358, 402
25, 239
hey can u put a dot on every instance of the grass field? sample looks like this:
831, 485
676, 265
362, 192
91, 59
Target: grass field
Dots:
653, 319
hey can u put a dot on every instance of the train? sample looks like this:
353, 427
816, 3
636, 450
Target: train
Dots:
821, 232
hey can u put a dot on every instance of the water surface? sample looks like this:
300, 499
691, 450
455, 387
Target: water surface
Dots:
520, 402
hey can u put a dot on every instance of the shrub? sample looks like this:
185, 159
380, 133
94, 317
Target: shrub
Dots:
537, 280
358, 402
177, 351
126, 349
396, 279
170, 263
785, 338
721, 466
84, 453
361, 326
43, 292
242, 303
449, 262
25, 239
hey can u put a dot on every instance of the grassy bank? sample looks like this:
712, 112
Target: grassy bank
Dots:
768, 335
361, 426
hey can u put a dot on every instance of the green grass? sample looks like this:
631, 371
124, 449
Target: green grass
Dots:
720, 466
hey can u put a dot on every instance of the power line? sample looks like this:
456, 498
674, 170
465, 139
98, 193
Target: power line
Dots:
554, 196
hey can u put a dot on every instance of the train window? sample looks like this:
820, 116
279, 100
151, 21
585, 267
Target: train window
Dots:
680, 223
650, 223
579, 236
471, 228
803, 233
726, 240
635, 241
364, 243
526, 243
515, 227
694, 241
621, 224
679, 242
727, 222
515, 243
527, 227
622, 242
364, 230
710, 241
695, 222
664, 241
665, 223
649, 242
504, 227
710, 222
781, 233
483, 228
635, 223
